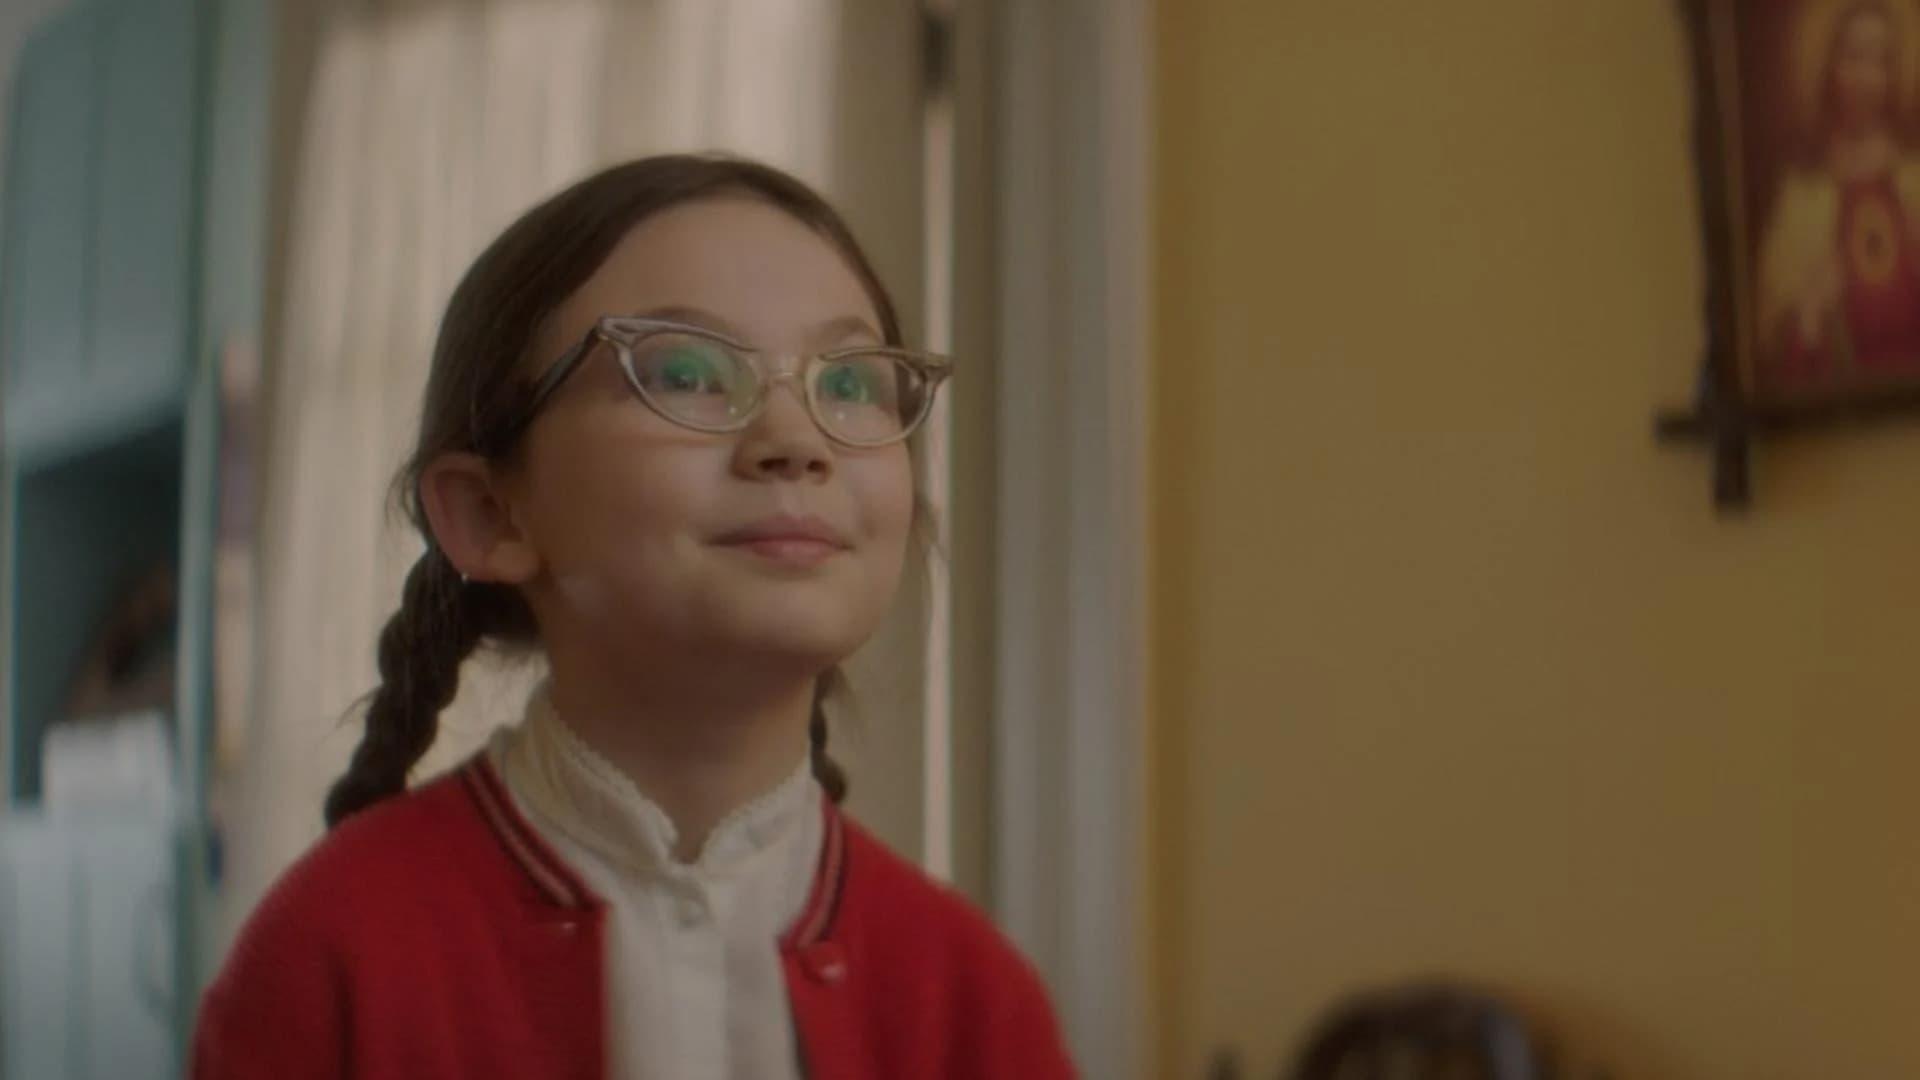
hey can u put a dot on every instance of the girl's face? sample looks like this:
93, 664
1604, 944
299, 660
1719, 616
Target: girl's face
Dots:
773, 541
1863, 67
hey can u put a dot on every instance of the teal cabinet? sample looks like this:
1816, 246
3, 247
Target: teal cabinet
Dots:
97, 317
143, 206
43, 282
131, 230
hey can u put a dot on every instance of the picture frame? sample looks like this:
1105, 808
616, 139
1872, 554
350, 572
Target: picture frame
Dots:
1807, 148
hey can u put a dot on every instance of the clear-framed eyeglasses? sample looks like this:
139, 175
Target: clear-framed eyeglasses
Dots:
864, 396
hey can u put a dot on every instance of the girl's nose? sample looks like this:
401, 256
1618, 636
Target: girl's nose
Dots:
783, 442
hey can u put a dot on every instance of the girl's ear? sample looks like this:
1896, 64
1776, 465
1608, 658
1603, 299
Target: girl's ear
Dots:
473, 521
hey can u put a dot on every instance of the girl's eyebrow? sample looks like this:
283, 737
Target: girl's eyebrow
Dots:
834, 331
694, 316
828, 333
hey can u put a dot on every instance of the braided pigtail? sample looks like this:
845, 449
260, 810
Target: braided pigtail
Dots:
421, 649
832, 778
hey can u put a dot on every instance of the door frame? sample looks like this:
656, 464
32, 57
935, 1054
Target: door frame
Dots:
1053, 232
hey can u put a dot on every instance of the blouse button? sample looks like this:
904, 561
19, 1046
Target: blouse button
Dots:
692, 911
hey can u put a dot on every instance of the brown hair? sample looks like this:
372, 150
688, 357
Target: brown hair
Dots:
475, 393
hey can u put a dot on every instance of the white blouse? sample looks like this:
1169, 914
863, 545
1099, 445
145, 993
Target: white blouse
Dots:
695, 989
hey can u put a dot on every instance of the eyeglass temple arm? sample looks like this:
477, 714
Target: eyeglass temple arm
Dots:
542, 390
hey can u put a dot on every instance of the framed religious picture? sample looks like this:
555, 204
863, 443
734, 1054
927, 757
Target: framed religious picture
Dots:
1808, 130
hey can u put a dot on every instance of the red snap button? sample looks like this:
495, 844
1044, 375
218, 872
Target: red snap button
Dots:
825, 961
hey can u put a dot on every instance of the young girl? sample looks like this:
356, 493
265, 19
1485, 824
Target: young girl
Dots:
665, 439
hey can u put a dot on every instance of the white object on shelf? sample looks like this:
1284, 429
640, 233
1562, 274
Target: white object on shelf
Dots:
108, 765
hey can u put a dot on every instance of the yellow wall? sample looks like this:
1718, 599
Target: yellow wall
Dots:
1454, 669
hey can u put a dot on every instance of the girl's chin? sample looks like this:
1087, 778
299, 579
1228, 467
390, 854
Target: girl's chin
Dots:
740, 619
813, 644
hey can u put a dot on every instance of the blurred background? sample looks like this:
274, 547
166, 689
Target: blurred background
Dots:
1319, 617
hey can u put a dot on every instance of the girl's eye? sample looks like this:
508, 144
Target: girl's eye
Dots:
687, 371
852, 383
685, 368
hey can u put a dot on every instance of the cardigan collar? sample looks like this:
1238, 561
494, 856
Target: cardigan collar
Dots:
562, 779
559, 886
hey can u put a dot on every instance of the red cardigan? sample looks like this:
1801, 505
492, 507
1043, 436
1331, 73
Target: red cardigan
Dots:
436, 935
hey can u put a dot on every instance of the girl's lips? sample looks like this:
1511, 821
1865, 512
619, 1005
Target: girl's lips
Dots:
796, 551
786, 539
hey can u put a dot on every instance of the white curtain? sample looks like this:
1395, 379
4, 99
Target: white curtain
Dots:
427, 127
